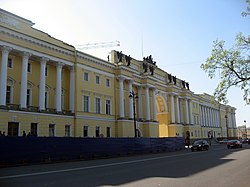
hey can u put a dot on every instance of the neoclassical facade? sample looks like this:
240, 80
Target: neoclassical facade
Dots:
48, 88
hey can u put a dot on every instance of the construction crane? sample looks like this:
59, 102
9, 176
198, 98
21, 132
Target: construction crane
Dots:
97, 45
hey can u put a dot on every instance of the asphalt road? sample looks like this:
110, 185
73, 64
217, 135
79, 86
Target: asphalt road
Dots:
217, 167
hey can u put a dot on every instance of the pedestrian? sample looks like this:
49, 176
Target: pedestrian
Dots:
24, 133
3, 133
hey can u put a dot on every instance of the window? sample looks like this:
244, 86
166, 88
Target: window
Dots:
46, 71
108, 131
67, 130
13, 128
107, 82
46, 99
97, 79
97, 131
33, 129
85, 131
8, 95
86, 76
28, 102
52, 129
85, 103
108, 111
97, 105
29, 67
10, 63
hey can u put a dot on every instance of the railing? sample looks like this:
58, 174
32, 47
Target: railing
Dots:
17, 107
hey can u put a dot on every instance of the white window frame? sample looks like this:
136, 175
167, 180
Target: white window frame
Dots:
10, 61
109, 107
86, 76
30, 97
83, 103
87, 128
52, 129
67, 130
108, 83
98, 107
97, 79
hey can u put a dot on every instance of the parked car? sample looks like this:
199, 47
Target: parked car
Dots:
234, 144
244, 140
200, 145
224, 141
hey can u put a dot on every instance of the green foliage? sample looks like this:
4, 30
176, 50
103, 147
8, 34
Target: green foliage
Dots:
233, 66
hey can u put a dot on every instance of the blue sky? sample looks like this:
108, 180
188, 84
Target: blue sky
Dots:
178, 33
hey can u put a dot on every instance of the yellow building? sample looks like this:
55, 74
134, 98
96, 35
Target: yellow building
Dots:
49, 88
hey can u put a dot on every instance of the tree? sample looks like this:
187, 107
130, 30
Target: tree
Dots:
233, 65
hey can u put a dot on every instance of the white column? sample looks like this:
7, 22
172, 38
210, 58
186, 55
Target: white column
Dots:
3, 75
140, 109
72, 90
172, 109
42, 83
177, 109
59, 86
24, 79
130, 89
191, 112
181, 111
154, 104
187, 112
121, 97
203, 116
147, 103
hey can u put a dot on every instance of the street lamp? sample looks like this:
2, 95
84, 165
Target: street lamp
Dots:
245, 130
133, 95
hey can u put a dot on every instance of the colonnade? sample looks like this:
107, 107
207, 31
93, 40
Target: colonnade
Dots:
42, 84
178, 115
209, 117
140, 101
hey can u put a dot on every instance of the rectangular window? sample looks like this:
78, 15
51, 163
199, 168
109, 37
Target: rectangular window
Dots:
10, 63
85, 103
46, 100
8, 95
97, 131
86, 76
29, 67
85, 131
67, 130
97, 105
108, 107
33, 129
52, 129
97, 79
108, 131
107, 82
46, 71
28, 102
13, 128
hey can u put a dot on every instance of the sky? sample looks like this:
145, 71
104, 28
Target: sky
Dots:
179, 34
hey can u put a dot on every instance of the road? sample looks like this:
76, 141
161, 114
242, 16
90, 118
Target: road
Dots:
217, 167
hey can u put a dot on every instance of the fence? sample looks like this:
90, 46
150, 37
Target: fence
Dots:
32, 150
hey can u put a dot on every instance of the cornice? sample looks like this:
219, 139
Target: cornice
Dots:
96, 60
36, 42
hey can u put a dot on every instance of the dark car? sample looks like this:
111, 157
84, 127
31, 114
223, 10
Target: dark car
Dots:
200, 145
234, 144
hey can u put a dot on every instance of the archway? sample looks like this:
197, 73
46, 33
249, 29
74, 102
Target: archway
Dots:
162, 116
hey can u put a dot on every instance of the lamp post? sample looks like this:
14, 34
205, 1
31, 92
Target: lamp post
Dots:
245, 130
133, 95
